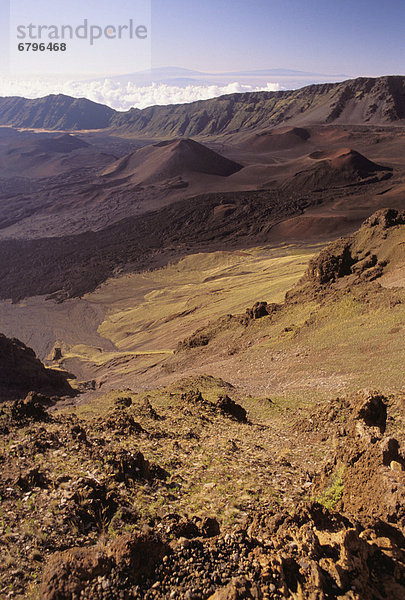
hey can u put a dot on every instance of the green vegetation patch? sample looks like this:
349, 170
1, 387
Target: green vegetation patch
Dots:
334, 491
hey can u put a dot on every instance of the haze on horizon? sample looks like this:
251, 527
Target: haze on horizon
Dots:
327, 41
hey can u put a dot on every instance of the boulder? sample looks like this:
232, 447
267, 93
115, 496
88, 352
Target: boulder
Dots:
370, 407
84, 572
70, 572
21, 372
231, 409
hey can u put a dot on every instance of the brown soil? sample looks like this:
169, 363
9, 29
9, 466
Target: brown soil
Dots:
168, 160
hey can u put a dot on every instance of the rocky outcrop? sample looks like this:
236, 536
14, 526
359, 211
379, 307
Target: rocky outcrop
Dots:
366, 476
318, 554
32, 408
261, 309
310, 553
375, 249
231, 409
99, 573
21, 372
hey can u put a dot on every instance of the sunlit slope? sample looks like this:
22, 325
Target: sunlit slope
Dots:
154, 311
341, 328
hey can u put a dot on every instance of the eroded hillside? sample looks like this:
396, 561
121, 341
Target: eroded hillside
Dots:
275, 479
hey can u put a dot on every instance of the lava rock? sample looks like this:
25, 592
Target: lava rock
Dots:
231, 409
371, 408
238, 589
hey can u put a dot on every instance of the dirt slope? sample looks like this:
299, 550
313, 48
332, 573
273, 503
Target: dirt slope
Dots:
338, 168
168, 160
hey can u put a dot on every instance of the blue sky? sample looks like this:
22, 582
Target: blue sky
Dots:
337, 39
328, 36
353, 37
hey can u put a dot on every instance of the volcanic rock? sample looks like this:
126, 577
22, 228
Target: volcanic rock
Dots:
231, 409
370, 489
126, 466
375, 249
127, 560
32, 407
21, 372
261, 309
372, 409
238, 589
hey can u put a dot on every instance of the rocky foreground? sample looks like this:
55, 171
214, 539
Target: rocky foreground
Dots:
70, 535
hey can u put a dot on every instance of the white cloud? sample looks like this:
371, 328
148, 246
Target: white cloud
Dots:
124, 95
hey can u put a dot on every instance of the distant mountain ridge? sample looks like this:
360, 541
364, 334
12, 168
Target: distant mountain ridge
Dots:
176, 76
356, 101
55, 111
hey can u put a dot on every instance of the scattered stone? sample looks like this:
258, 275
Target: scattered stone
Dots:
238, 589
32, 478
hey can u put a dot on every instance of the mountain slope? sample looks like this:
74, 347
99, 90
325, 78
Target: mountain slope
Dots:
357, 101
343, 166
54, 112
339, 328
166, 160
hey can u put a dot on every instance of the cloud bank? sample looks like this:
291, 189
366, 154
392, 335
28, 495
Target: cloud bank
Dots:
124, 95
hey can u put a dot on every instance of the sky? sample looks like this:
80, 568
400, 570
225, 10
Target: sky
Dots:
360, 37
331, 39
